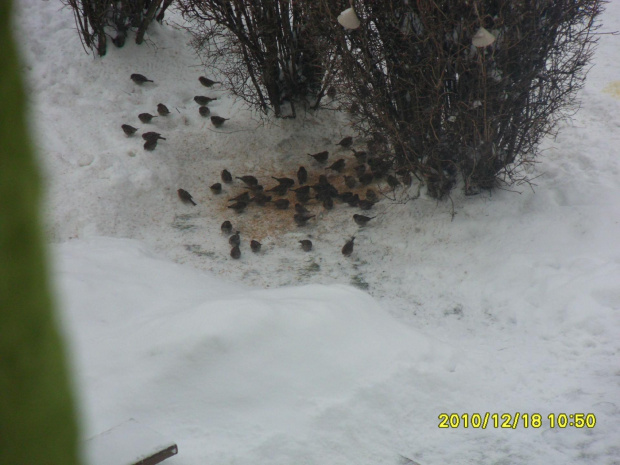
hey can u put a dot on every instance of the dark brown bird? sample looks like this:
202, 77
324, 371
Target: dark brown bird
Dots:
139, 78
202, 100
302, 175
204, 111
261, 199
392, 181
328, 203
360, 156
347, 250
359, 170
255, 246
371, 195
185, 196
366, 178
306, 245
337, 165
248, 180
216, 188
128, 130
256, 188
218, 121
207, 82
346, 142
152, 136
362, 220
354, 200
345, 196
146, 117
245, 197
150, 145
162, 109
350, 181
302, 194
280, 189
299, 208
301, 220
226, 227
288, 181
226, 176
235, 239
321, 157
365, 204
235, 252
281, 204
238, 206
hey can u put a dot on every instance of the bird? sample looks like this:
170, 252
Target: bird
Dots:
350, 181
238, 206
338, 165
362, 220
371, 195
202, 100
328, 203
392, 181
331, 92
347, 250
280, 189
302, 175
152, 136
306, 245
204, 111
128, 130
235, 252
146, 117
287, 181
346, 142
354, 200
256, 188
139, 78
360, 156
366, 178
281, 204
248, 180
261, 199
162, 109
345, 196
226, 176
216, 188
245, 197
218, 121
207, 82
150, 145
302, 195
226, 227
185, 196
365, 204
360, 169
235, 239
321, 157
255, 246
302, 219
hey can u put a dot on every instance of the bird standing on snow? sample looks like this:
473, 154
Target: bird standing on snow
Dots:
204, 111
346, 142
249, 180
235, 252
302, 175
150, 144
207, 82
306, 245
162, 109
226, 227
152, 136
235, 239
216, 188
128, 130
226, 176
337, 166
218, 121
202, 100
321, 157
146, 117
185, 196
362, 220
139, 78
255, 246
347, 250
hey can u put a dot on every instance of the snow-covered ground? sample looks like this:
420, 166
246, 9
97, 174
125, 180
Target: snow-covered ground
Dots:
292, 357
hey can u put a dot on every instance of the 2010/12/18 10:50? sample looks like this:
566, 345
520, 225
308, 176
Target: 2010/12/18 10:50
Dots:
512, 421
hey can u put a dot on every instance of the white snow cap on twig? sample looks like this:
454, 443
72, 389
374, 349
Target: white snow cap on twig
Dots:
349, 19
482, 38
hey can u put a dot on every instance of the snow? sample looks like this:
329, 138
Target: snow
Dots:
293, 357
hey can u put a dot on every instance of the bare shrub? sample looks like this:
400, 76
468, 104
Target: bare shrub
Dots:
418, 87
95, 19
261, 48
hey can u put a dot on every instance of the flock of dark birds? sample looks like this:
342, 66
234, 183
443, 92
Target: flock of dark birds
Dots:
151, 138
366, 169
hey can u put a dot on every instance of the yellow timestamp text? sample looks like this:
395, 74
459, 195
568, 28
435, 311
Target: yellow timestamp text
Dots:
516, 420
